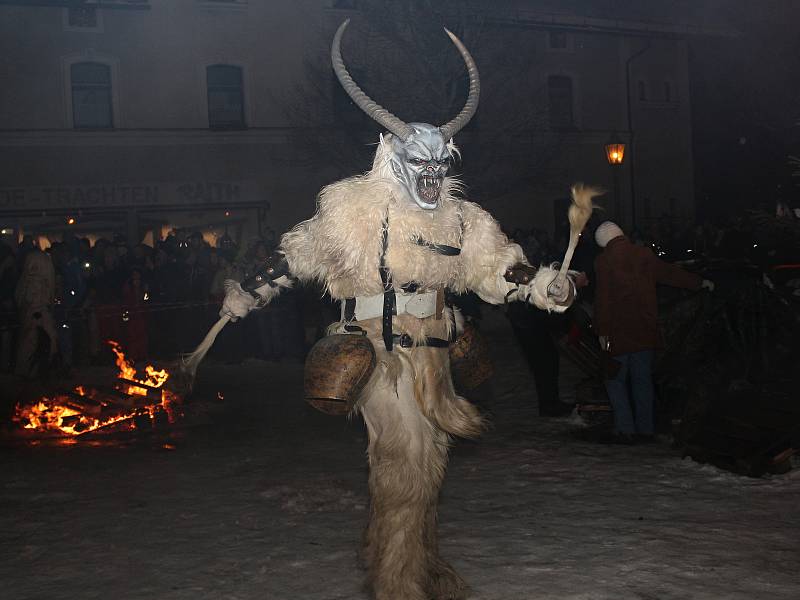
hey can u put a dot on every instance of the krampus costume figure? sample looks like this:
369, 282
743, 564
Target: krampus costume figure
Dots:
387, 244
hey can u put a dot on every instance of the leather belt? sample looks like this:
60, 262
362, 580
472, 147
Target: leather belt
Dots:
403, 339
406, 341
420, 305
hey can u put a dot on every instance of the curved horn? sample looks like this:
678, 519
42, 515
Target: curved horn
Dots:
457, 124
364, 102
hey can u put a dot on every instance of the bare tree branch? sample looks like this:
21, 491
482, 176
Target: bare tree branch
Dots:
398, 53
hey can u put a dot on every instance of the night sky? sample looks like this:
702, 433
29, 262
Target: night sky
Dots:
746, 108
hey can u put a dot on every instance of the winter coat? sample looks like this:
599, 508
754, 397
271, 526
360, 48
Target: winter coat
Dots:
36, 287
626, 306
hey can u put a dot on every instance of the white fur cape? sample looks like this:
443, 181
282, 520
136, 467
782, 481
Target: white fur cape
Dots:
340, 246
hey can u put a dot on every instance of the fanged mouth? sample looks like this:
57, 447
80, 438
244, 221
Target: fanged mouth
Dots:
429, 188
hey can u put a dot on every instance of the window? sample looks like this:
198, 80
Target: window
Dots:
225, 97
558, 40
559, 96
82, 16
91, 96
82, 19
642, 91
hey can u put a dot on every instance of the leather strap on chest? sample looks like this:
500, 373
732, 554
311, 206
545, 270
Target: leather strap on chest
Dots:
388, 288
389, 296
444, 249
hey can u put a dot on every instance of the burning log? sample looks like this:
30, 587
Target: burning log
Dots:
140, 401
137, 388
83, 404
71, 421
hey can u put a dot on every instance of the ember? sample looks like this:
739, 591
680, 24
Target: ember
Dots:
85, 409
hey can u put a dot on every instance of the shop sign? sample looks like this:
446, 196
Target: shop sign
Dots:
99, 196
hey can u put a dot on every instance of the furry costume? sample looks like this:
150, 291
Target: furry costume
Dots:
34, 295
404, 217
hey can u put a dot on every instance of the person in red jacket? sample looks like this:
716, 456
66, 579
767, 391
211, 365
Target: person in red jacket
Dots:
625, 320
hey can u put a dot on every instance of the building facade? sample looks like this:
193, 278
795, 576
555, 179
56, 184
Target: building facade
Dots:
136, 117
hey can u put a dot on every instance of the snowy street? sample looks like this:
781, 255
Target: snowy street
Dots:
263, 498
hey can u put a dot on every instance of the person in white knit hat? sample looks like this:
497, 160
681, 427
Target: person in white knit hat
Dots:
607, 231
625, 320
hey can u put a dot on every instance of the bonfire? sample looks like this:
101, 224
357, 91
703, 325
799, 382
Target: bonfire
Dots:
133, 400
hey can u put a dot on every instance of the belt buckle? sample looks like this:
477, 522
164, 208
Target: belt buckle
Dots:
416, 306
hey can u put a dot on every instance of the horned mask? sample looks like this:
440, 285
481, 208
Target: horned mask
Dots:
419, 153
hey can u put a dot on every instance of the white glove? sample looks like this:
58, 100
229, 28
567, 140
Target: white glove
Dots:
707, 285
537, 292
237, 303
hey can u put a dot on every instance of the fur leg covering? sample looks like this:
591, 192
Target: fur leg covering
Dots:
445, 583
409, 406
407, 459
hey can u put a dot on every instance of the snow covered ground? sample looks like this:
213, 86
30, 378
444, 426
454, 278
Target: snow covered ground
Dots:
264, 498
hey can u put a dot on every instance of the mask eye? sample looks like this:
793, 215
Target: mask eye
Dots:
417, 161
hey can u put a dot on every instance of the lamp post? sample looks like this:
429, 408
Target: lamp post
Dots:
615, 155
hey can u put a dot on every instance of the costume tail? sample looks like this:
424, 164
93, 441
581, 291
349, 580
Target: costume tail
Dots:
191, 361
580, 211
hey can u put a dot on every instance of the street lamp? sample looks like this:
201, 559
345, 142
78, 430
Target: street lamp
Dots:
615, 150
615, 155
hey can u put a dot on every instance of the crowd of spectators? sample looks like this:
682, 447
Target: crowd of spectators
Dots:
759, 236
157, 302
760, 239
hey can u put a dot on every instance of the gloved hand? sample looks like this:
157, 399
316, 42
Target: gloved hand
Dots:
237, 303
707, 285
545, 293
